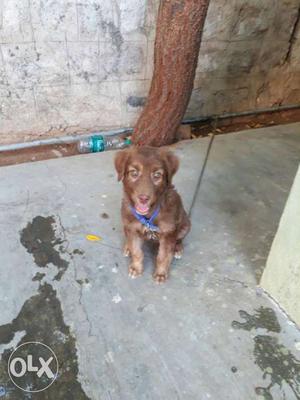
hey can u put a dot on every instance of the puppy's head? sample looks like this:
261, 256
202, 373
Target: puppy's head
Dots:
146, 173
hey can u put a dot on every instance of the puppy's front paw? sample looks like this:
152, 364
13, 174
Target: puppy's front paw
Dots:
160, 276
134, 271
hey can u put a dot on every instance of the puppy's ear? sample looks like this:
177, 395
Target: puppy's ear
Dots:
121, 159
171, 162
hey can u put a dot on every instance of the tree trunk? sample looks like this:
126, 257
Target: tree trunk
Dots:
178, 37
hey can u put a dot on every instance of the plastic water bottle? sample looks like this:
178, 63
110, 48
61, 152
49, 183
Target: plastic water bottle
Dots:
97, 143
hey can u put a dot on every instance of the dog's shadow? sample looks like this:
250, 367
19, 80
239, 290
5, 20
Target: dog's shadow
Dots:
150, 248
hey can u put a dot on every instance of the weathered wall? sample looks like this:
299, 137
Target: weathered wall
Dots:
73, 66
250, 57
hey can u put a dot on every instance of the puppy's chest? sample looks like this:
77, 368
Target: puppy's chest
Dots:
148, 233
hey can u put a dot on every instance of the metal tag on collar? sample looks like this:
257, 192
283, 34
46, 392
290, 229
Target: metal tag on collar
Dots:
153, 228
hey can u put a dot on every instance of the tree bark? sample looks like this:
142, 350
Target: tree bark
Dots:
177, 43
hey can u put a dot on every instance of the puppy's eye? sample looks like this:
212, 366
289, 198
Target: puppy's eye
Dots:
133, 173
157, 175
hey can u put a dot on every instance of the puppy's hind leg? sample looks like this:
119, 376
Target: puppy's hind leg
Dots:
126, 251
184, 230
178, 249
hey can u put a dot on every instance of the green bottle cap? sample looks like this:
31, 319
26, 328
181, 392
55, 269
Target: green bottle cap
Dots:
97, 143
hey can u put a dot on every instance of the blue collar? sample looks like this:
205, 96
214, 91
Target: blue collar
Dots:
147, 222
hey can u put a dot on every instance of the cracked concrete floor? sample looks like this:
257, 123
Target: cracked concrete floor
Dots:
208, 333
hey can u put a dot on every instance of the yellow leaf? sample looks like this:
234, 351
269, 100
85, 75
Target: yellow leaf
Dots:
93, 238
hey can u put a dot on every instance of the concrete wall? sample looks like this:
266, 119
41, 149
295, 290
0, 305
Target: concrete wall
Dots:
73, 66
281, 277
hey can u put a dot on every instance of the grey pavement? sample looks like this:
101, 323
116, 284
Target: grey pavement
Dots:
208, 333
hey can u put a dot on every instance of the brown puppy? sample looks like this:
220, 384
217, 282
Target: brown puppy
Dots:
147, 174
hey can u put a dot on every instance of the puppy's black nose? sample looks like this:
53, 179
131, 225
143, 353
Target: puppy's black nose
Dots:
143, 198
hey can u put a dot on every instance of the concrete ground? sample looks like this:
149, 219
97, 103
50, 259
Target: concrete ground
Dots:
208, 333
